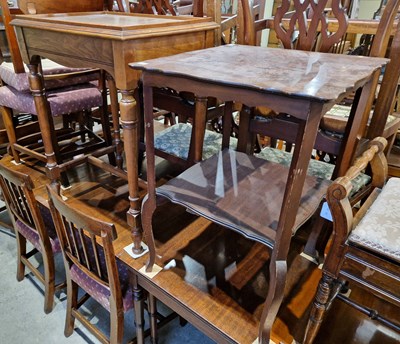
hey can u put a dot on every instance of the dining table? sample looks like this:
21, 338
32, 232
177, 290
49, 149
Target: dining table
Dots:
109, 41
260, 200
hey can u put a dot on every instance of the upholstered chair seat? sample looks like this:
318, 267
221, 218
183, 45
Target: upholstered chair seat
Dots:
379, 230
100, 292
32, 235
175, 140
61, 101
20, 81
316, 168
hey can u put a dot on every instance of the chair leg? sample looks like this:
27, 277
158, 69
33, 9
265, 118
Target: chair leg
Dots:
21, 246
11, 134
72, 302
82, 121
114, 138
49, 283
116, 326
152, 307
138, 308
320, 304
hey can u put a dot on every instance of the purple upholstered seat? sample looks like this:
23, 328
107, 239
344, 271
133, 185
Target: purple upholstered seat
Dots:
62, 101
32, 235
100, 292
20, 81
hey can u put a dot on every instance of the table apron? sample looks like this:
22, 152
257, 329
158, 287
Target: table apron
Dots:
300, 108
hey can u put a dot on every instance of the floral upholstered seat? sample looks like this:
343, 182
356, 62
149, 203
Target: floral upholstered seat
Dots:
175, 140
316, 168
379, 229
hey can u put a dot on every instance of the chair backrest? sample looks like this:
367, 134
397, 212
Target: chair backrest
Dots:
17, 188
384, 105
59, 6
79, 235
162, 7
38, 7
309, 20
301, 25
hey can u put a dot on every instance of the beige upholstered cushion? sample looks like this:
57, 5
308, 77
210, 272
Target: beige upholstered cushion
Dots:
379, 229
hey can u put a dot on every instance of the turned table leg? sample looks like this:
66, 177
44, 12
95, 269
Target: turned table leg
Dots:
130, 127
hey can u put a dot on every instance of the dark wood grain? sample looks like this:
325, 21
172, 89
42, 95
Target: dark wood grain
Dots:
178, 234
256, 81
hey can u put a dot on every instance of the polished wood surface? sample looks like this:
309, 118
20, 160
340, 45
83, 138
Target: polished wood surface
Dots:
260, 79
110, 41
281, 127
374, 270
294, 74
48, 134
181, 237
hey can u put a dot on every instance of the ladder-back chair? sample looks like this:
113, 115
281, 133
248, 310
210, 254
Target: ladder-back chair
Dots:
32, 223
175, 143
90, 263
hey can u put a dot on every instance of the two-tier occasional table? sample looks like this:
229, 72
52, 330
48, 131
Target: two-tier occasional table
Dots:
263, 201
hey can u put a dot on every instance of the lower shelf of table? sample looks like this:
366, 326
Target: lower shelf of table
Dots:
212, 277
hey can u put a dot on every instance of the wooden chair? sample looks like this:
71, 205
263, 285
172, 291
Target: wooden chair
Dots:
323, 34
180, 105
90, 263
63, 91
343, 147
32, 223
364, 250
49, 6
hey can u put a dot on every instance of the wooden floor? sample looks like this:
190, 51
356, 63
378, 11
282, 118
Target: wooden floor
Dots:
236, 258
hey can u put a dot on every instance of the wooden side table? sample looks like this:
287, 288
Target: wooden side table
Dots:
263, 201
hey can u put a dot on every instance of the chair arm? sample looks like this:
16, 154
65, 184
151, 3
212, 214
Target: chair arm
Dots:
338, 193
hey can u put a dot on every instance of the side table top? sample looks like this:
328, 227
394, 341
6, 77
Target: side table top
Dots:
318, 76
116, 25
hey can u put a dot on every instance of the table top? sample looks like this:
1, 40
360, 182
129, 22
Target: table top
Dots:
316, 76
114, 25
